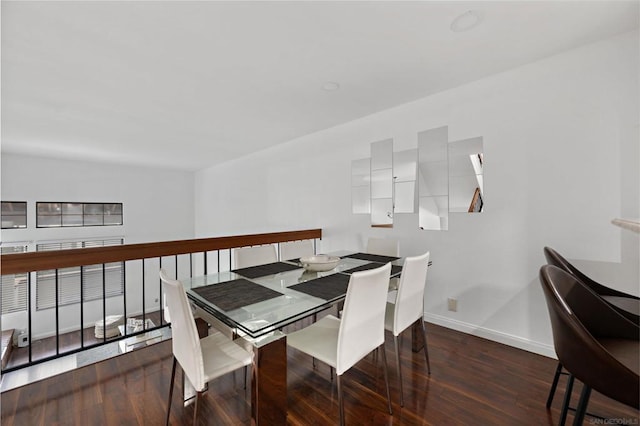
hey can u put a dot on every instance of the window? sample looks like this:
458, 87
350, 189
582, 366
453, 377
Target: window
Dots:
70, 279
60, 214
14, 286
14, 214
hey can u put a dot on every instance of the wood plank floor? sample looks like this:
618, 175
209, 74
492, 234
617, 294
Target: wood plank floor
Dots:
473, 382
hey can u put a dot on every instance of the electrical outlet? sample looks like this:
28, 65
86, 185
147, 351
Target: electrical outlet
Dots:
452, 304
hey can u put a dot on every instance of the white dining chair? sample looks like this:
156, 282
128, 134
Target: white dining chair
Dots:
296, 249
383, 246
201, 360
408, 306
245, 257
341, 343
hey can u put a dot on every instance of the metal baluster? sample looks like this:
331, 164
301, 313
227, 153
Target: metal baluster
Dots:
160, 293
124, 293
144, 310
205, 263
29, 313
104, 302
82, 306
57, 317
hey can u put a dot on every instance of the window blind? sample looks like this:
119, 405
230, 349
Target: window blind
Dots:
14, 286
98, 281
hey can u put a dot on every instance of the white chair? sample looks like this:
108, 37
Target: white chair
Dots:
383, 247
341, 343
296, 249
408, 306
200, 360
246, 257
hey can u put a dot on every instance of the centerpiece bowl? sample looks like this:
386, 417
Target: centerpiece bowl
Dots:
319, 262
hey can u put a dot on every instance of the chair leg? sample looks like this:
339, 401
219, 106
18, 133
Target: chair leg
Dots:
173, 376
340, 401
386, 376
552, 391
195, 408
566, 401
582, 405
397, 345
426, 350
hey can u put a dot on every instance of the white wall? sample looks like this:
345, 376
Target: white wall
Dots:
157, 206
561, 161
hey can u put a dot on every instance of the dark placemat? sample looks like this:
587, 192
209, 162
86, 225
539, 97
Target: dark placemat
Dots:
326, 288
264, 270
395, 270
235, 294
373, 257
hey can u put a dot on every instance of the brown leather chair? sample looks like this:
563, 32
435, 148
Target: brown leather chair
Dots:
593, 341
626, 304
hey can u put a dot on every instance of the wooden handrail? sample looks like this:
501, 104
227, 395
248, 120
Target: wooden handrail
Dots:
16, 263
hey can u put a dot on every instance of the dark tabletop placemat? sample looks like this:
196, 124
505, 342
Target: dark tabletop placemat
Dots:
373, 257
326, 288
395, 270
235, 294
264, 270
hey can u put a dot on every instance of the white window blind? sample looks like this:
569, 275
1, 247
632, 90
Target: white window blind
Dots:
97, 281
14, 286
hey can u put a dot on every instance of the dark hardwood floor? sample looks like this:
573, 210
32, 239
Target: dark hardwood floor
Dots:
473, 382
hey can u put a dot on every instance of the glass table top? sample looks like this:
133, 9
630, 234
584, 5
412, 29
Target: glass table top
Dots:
281, 306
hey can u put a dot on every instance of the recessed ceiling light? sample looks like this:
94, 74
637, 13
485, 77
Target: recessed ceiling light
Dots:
468, 20
330, 86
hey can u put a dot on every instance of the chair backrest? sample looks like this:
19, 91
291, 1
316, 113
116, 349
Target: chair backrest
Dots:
383, 246
554, 258
410, 298
184, 334
362, 323
578, 318
246, 257
296, 249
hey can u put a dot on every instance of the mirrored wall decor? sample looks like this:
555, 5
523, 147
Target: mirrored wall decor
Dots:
438, 178
382, 184
466, 189
433, 179
405, 165
361, 186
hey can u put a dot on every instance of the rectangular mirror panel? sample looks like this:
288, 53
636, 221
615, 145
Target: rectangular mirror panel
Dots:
433, 179
466, 185
382, 183
361, 186
433, 213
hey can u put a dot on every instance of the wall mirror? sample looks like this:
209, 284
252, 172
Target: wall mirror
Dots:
433, 179
405, 165
466, 189
382, 184
360, 186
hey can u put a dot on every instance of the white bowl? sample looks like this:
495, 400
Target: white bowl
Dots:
319, 263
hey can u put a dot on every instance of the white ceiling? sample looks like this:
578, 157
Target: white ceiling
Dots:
192, 84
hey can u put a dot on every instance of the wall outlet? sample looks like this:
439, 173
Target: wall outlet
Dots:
452, 304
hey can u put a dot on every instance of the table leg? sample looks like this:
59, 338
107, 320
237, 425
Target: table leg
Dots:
269, 384
417, 338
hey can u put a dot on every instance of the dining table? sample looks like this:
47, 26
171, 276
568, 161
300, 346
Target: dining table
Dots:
257, 302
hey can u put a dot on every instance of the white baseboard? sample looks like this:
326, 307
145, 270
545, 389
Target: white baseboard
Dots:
493, 335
